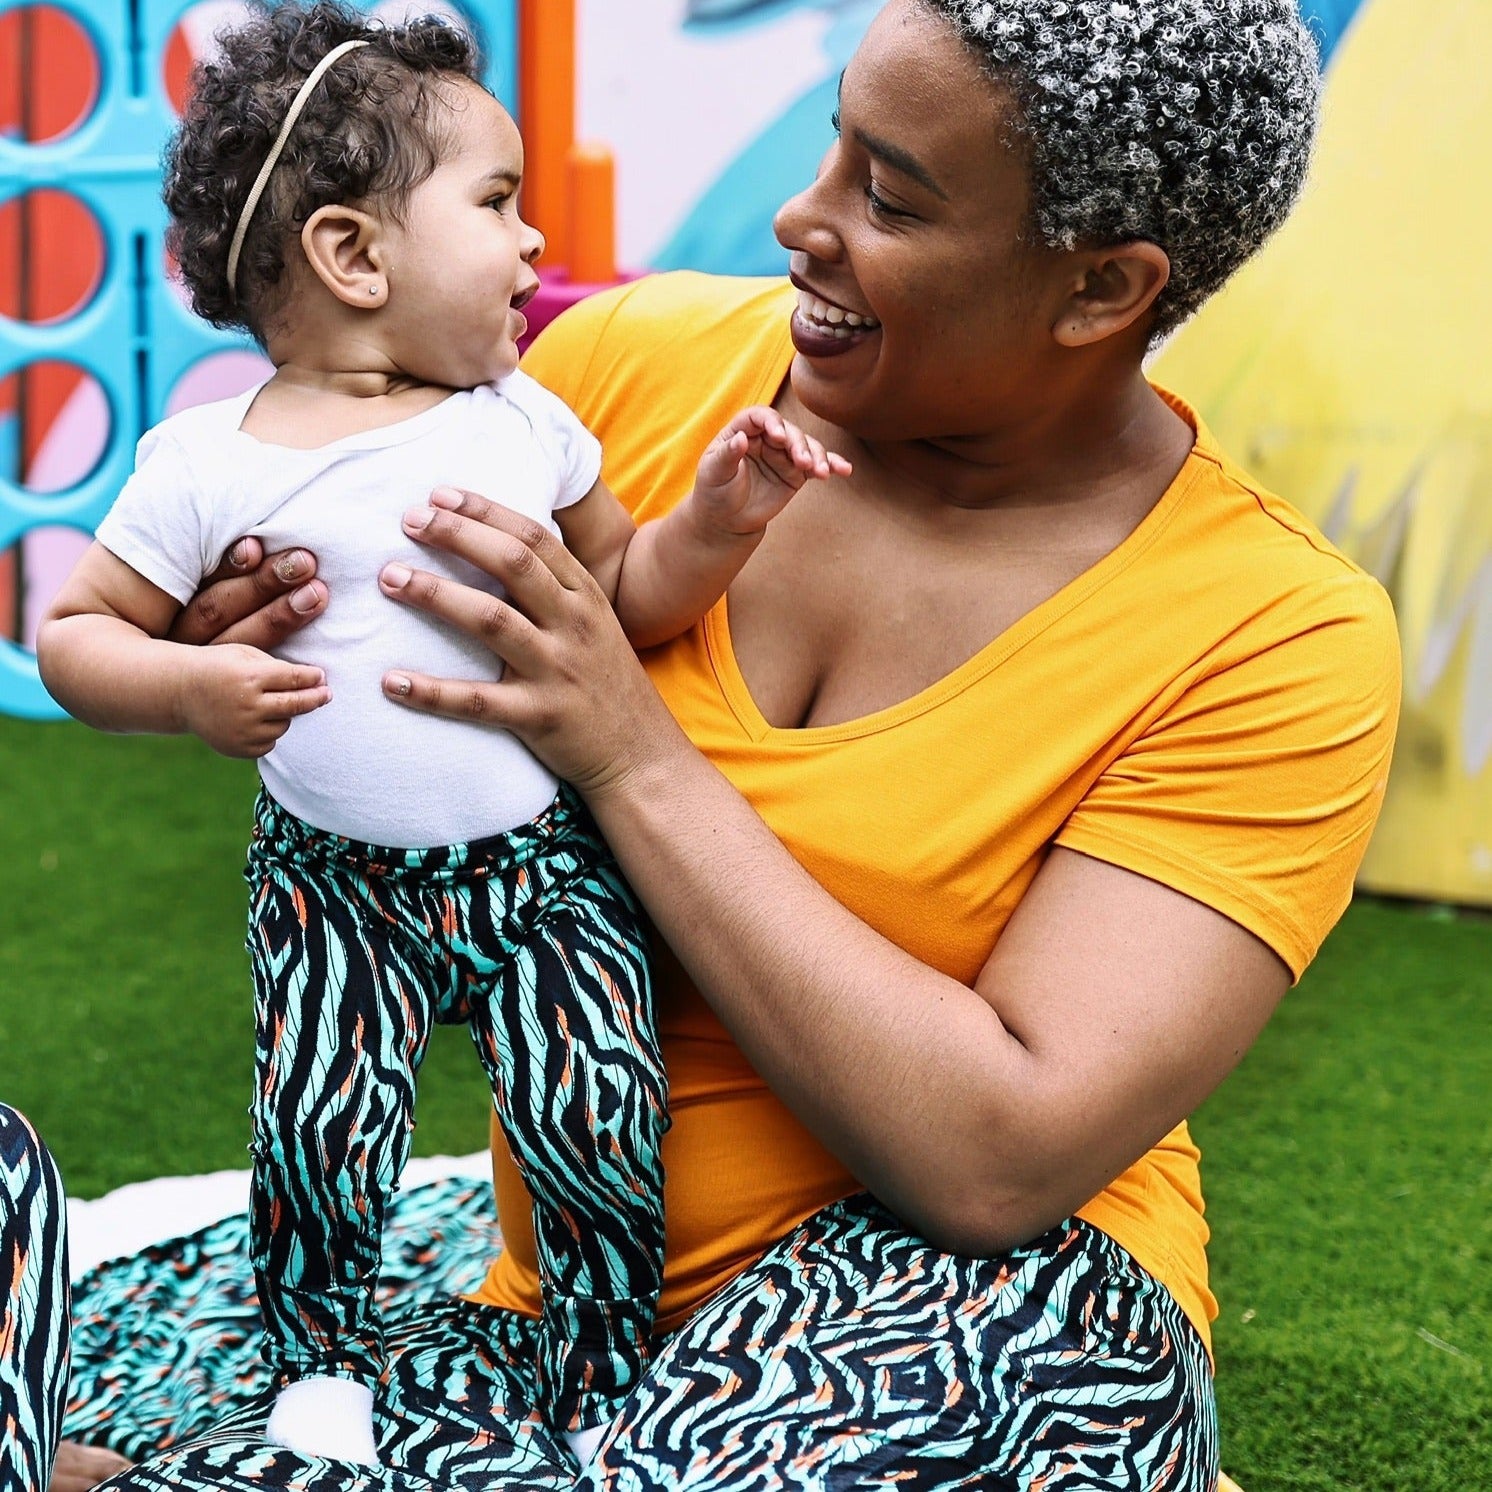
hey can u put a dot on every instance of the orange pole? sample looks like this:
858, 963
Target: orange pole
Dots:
592, 173
546, 107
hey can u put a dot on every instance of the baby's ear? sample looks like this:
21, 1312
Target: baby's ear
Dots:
343, 246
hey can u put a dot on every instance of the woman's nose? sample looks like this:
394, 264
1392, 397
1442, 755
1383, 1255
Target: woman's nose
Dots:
803, 226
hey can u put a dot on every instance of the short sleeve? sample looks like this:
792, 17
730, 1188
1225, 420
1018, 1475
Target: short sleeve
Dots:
574, 452
1257, 790
158, 525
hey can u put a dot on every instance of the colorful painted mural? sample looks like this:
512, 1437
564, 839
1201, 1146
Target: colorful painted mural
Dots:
1344, 366
1347, 367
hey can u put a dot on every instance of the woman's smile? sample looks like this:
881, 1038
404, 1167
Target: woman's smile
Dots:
823, 328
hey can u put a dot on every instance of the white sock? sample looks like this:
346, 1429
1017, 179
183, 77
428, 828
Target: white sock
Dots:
330, 1417
585, 1443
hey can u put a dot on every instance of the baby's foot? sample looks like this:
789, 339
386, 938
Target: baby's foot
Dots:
330, 1417
585, 1443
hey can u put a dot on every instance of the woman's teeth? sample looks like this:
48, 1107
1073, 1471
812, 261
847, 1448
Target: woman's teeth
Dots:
834, 319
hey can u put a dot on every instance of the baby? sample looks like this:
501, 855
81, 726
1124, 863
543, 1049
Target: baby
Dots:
347, 193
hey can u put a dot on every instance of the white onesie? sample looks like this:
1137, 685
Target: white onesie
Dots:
363, 766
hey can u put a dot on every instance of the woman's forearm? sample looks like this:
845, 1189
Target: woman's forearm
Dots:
909, 1077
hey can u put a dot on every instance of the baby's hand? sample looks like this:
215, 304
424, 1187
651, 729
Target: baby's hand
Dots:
241, 701
750, 471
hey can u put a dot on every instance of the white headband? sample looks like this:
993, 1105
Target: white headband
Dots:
271, 160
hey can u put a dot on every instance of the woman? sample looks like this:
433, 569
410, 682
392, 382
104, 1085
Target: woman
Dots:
984, 825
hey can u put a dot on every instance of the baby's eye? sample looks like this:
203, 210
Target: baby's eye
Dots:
500, 202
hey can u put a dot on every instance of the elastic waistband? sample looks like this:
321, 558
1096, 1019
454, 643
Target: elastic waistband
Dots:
566, 822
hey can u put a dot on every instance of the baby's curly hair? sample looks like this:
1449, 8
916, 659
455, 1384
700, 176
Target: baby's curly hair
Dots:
374, 127
1186, 123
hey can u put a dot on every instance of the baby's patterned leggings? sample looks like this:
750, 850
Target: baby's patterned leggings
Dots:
531, 937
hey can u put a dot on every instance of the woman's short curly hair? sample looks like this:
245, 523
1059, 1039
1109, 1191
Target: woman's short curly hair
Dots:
1186, 123
374, 127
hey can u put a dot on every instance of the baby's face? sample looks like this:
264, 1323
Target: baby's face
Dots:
460, 265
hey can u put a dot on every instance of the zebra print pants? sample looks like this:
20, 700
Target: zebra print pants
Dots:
33, 1305
532, 938
852, 1355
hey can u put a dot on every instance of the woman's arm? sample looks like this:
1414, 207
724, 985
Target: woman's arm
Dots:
1111, 1006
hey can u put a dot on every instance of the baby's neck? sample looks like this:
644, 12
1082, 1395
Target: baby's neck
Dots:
305, 406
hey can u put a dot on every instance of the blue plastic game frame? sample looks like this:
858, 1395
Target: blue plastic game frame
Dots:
134, 336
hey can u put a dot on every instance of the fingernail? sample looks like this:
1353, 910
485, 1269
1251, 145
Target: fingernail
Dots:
417, 518
239, 554
291, 566
307, 598
395, 576
397, 683
446, 497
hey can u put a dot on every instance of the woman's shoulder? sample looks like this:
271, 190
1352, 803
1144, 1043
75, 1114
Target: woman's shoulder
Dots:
1247, 548
658, 328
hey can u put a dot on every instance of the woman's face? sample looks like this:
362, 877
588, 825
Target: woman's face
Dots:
924, 311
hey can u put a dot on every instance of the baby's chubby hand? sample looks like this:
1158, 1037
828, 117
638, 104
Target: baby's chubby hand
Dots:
751, 470
241, 701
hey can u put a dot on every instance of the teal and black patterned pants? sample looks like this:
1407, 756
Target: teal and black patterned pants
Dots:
851, 1355
33, 1305
534, 940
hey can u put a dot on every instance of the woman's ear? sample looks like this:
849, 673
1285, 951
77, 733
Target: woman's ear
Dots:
344, 247
1114, 288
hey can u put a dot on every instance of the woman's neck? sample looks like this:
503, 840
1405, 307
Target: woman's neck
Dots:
1093, 464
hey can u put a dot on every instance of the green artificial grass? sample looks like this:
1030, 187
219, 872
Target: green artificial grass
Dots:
1348, 1162
126, 1021
1348, 1168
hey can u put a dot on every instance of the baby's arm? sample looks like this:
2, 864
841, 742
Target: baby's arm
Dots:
661, 578
101, 652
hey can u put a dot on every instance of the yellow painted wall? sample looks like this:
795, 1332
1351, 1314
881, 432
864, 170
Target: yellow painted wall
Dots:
1348, 368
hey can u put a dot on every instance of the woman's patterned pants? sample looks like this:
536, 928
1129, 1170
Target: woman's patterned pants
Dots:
531, 937
851, 1355
33, 1305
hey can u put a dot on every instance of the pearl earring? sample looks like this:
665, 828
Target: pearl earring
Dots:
372, 289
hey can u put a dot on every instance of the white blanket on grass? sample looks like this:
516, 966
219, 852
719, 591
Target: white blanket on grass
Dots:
147, 1212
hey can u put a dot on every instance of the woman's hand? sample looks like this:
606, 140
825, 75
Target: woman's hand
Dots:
571, 689
253, 598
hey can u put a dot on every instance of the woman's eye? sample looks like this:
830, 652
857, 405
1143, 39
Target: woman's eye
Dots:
834, 121
880, 206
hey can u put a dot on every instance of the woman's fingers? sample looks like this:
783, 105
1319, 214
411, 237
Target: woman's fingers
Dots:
499, 627
455, 699
261, 606
493, 538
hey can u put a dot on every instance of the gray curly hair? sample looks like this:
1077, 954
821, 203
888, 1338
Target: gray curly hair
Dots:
1186, 123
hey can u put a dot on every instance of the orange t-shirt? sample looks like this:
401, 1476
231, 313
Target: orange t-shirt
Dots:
1212, 705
